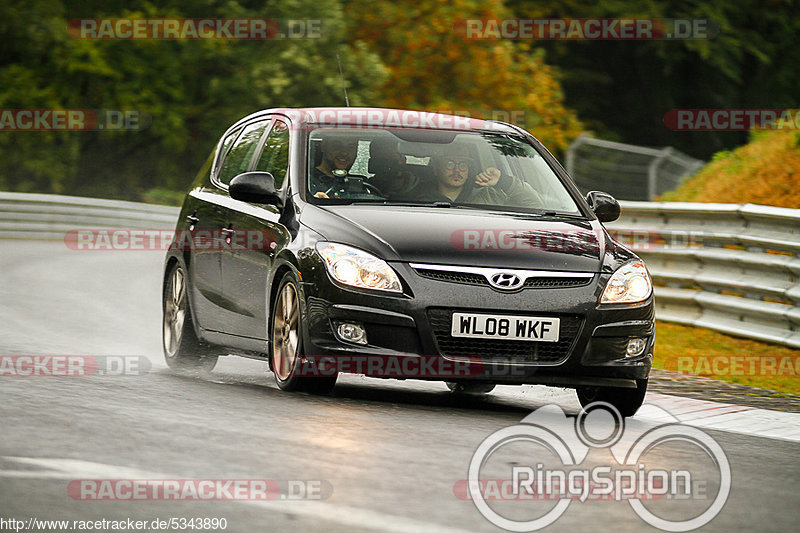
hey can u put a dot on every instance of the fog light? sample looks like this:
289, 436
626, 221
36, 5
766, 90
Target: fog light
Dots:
351, 332
636, 346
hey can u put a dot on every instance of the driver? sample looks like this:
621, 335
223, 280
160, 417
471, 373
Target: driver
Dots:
338, 155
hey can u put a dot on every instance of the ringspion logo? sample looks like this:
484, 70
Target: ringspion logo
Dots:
523, 495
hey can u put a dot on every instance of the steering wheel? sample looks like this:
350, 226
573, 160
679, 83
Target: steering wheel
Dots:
369, 189
376, 191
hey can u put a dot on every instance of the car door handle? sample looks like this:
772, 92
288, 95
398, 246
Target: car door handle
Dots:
228, 231
191, 219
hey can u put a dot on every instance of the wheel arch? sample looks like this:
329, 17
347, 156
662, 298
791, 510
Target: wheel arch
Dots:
285, 262
169, 264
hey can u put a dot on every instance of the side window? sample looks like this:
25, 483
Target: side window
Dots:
225, 145
242, 152
275, 157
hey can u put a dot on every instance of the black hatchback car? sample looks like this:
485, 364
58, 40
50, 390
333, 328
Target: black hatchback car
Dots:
404, 244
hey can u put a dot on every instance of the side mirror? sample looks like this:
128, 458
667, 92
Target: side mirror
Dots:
255, 188
604, 206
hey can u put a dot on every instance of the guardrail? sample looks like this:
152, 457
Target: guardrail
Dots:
728, 267
49, 216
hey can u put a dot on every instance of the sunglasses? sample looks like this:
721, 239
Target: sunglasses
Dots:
460, 165
342, 146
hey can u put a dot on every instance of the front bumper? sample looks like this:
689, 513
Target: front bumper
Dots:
591, 350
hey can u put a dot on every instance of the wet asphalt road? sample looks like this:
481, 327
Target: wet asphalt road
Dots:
387, 453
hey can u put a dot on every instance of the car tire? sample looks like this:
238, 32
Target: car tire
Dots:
475, 388
626, 401
183, 351
287, 358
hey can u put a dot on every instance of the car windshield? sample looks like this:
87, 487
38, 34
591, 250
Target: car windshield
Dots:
437, 168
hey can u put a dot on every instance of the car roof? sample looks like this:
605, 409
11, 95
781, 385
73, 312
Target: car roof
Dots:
377, 117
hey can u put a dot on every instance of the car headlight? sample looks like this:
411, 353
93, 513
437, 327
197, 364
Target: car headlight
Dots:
356, 268
630, 284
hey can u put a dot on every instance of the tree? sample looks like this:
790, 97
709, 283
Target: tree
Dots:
623, 89
433, 67
191, 90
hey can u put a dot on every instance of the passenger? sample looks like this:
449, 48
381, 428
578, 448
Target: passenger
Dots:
490, 186
338, 155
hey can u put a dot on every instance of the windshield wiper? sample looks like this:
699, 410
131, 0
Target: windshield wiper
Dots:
553, 214
409, 204
565, 215
529, 212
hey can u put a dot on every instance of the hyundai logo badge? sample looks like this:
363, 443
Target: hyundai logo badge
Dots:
505, 281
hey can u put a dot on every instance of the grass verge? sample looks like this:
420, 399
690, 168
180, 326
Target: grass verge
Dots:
705, 352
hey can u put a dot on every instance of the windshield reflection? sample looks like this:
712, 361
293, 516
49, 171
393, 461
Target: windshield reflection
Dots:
432, 168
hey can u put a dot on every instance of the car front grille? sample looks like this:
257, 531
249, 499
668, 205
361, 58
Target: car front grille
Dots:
467, 278
506, 351
552, 283
454, 277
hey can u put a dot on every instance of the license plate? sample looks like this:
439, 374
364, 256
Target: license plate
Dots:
526, 328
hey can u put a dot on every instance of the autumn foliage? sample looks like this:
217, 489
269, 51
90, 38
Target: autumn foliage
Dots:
764, 171
432, 67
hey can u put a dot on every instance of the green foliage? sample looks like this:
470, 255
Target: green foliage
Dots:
396, 53
724, 154
191, 89
622, 89
160, 195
